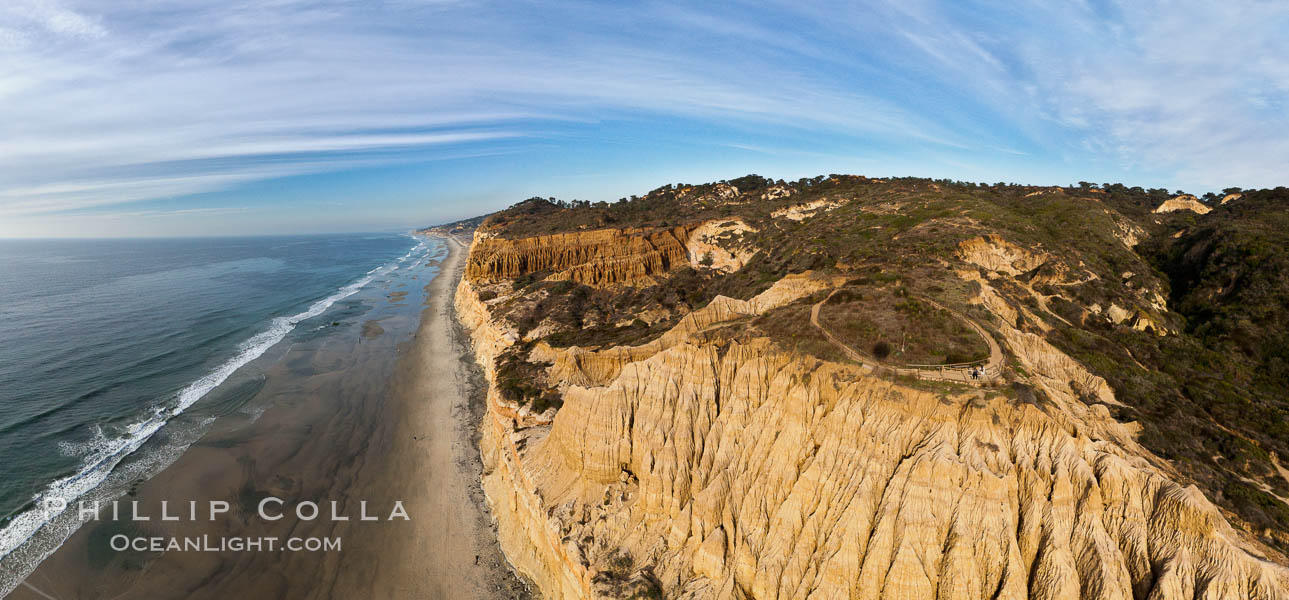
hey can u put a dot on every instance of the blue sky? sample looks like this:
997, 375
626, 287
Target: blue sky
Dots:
208, 117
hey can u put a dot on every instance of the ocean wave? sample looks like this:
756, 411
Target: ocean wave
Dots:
104, 452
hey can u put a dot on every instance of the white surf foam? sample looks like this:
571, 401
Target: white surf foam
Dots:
104, 453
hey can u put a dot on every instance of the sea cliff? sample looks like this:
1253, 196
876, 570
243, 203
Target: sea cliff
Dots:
709, 460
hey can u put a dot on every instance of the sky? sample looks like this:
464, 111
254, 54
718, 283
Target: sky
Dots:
232, 117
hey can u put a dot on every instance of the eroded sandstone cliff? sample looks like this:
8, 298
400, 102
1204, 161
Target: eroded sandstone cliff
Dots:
710, 462
601, 257
734, 470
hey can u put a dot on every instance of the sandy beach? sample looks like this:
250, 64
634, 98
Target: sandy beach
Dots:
344, 422
452, 553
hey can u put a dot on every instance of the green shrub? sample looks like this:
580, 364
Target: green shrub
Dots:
881, 350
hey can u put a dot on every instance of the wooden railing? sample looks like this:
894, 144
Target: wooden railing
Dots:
955, 371
950, 365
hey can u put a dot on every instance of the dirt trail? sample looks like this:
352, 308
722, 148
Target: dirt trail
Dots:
850, 352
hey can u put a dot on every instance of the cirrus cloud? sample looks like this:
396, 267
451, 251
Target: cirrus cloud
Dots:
111, 103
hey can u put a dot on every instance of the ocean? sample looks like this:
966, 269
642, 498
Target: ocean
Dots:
116, 355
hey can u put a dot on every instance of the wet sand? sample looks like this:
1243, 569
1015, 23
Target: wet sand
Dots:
456, 549
342, 422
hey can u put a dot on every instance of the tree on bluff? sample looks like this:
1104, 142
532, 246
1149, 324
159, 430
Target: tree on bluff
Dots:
881, 350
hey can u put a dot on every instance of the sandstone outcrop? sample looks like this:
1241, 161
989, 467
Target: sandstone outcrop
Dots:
715, 245
1040, 192
1183, 202
700, 467
799, 212
1128, 232
1136, 319
1000, 257
721, 193
775, 192
598, 258
994, 253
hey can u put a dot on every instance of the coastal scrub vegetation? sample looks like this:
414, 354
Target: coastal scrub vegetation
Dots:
900, 327
523, 382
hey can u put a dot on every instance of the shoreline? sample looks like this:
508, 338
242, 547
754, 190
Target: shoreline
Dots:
441, 351
153, 441
380, 414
